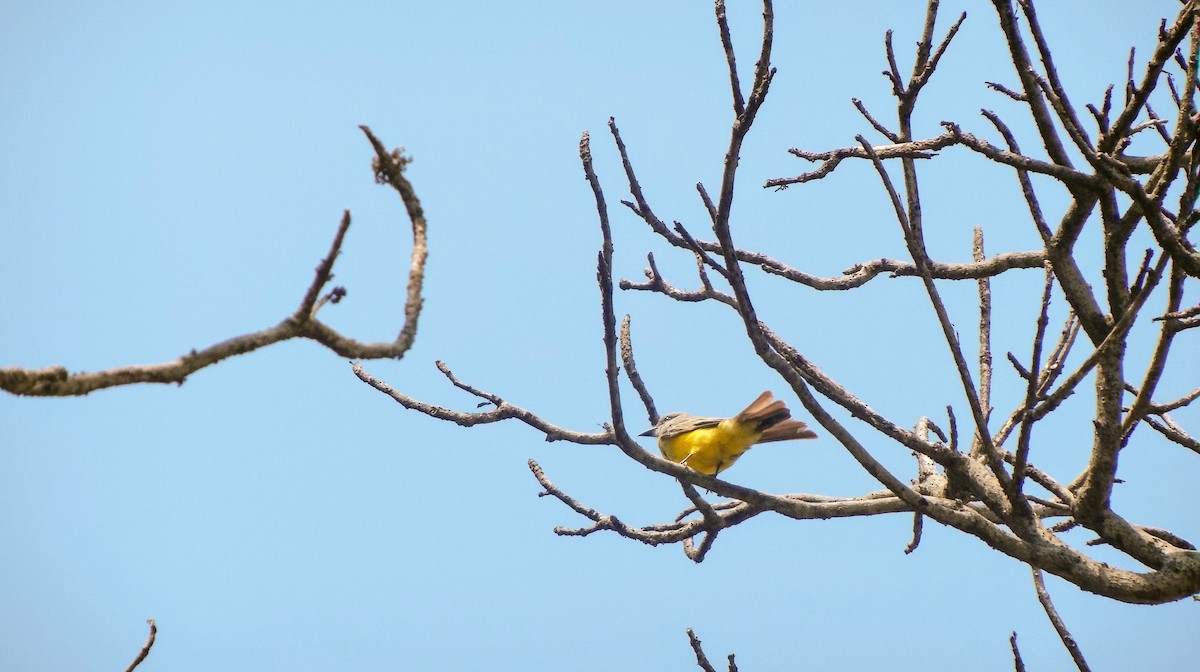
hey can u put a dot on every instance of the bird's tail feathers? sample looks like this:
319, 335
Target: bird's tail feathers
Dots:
764, 412
787, 430
772, 417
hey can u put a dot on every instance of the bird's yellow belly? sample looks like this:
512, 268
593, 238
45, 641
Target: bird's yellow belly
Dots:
710, 450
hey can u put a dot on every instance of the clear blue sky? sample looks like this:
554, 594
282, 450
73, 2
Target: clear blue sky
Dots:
171, 174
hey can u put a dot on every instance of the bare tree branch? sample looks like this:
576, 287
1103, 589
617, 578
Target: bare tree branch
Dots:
145, 647
1018, 664
1031, 389
917, 149
739, 103
985, 328
631, 371
389, 169
862, 109
1065, 635
701, 659
502, 411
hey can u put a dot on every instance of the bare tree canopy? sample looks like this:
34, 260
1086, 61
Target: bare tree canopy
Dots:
978, 479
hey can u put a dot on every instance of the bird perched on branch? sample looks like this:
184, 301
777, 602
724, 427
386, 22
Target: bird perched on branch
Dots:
711, 445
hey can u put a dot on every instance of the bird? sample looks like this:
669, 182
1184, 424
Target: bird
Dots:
711, 445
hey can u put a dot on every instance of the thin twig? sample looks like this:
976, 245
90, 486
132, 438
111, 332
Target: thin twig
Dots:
1173, 433
631, 371
1054, 89
145, 647
1031, 388
1066, 174
918, 525
1018, 664
739, 103
1034, 99
1177, 404
701, 659
607, 314
502, 411
670, 534
1015, 95
862, 109
1065, 635
985, 326
913, 149
324, 270
862, 273
1158, 361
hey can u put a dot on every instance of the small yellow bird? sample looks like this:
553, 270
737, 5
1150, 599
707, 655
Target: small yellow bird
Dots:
711, 445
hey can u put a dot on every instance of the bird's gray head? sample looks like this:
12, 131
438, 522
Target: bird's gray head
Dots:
662, 422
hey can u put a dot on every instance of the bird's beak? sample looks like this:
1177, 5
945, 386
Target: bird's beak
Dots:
649, 432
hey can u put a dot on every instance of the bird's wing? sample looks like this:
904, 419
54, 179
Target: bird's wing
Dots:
685, 425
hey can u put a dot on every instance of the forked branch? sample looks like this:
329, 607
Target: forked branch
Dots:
389, 169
